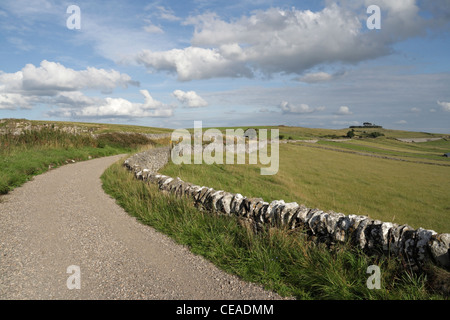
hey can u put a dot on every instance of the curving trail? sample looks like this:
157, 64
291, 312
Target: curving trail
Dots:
64, 218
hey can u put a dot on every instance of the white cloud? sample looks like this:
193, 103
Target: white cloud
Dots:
415, 110
119, 107
55, 85
444, 105
287, 107
284, 41
193, 63
52, 77
12, 101
190, 99
344, 111
401, 122
113, 107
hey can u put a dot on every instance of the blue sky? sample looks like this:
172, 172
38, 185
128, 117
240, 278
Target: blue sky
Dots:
228, 63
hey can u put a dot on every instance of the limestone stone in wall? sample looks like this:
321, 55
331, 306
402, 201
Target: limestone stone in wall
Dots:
152, 160
415, 246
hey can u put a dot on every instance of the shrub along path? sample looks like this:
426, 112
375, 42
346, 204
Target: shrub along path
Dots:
63, 218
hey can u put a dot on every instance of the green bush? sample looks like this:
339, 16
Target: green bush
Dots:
376, 134
351, 134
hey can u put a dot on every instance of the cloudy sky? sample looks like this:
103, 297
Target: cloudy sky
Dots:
227, 63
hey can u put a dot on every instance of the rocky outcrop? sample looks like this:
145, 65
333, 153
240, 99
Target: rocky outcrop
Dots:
416, 246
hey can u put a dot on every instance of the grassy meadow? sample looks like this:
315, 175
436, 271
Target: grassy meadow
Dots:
302, 133
397, 191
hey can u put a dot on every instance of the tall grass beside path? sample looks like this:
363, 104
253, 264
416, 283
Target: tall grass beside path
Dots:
33, 152
280, 260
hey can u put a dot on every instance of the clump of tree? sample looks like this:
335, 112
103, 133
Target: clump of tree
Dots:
374, 134
351, 134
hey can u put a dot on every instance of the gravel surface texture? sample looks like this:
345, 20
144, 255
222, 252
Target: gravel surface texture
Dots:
64, 218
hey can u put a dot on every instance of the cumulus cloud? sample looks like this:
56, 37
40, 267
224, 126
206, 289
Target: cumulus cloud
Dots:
52, 77
287, 107
12, 101
285, 41
113, 107
190, 99
193, 63
444, 105
344, 111
61, 88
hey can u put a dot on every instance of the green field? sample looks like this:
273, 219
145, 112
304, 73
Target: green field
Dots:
301, 133
432, 150
397, 191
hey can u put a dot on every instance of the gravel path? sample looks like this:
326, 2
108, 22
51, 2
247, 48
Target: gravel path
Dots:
63, 218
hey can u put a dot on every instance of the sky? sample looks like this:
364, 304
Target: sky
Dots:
316, 64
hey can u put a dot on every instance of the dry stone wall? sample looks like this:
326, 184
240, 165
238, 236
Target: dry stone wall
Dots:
415, 246
149, 161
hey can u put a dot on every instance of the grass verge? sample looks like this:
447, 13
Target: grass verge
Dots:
34, 152
282, 261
